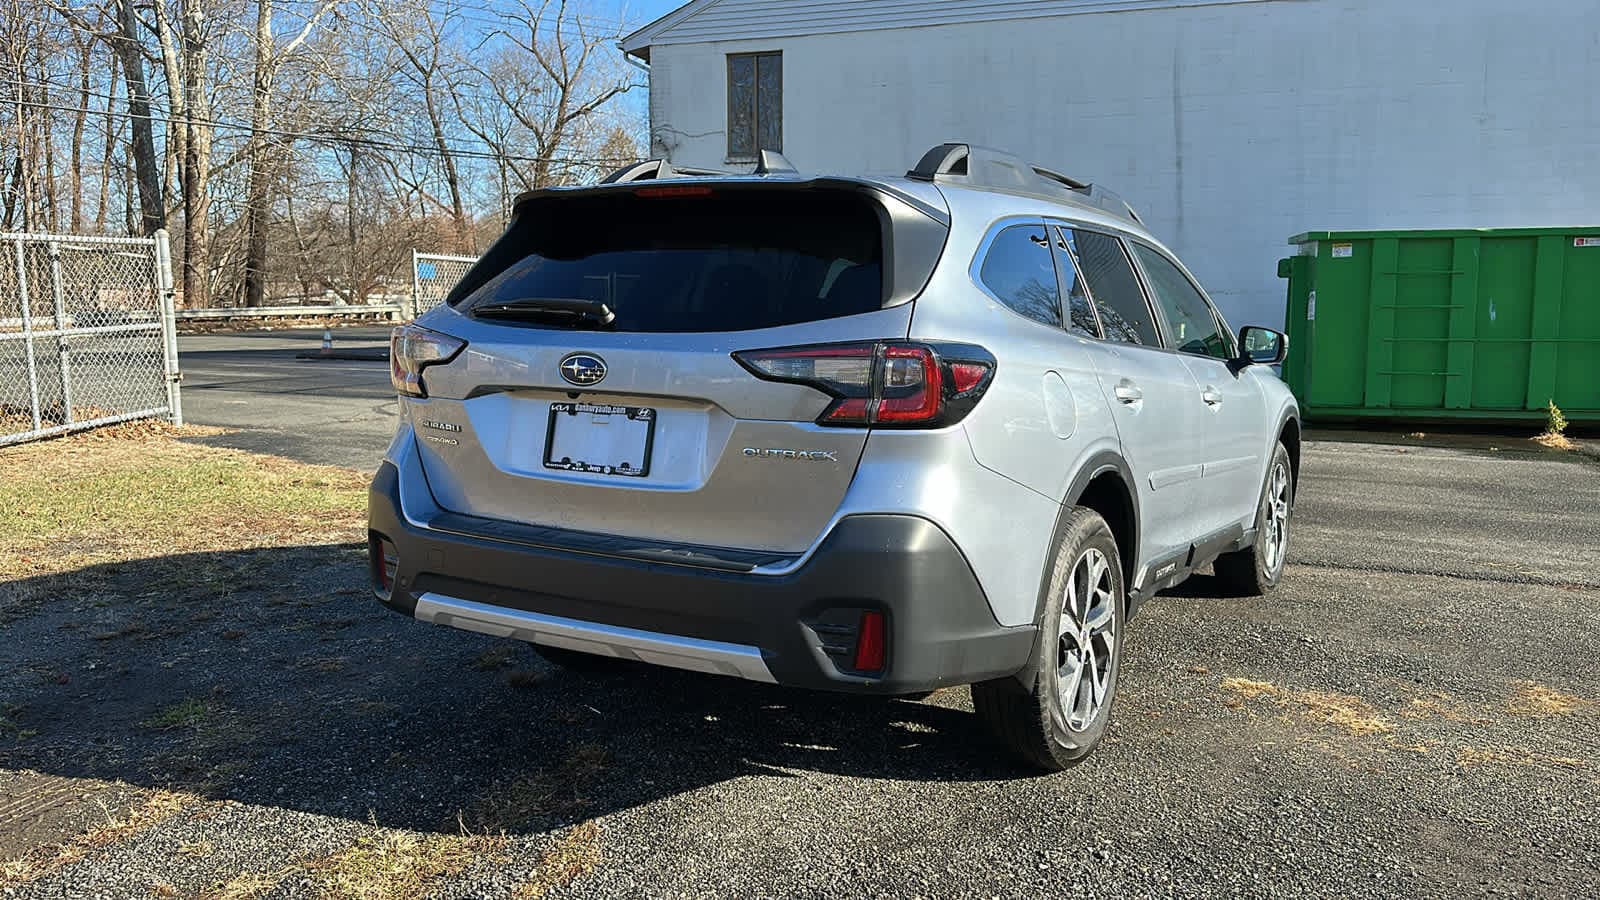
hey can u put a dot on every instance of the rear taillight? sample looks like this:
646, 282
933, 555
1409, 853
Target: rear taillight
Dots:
413, 348
886, 384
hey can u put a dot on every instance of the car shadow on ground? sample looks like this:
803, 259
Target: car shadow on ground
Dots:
272, 677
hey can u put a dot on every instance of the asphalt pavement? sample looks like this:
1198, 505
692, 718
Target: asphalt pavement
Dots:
326, 411
1414, 713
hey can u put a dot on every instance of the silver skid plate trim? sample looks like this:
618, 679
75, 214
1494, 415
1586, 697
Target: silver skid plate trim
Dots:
694, 654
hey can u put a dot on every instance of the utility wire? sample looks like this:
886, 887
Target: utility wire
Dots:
337, 140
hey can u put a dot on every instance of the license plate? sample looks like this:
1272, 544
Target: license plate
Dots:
600, 438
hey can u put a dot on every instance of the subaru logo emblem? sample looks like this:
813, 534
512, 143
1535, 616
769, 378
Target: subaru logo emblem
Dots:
582, 369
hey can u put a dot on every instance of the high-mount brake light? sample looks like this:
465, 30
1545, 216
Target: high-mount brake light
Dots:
412, 349
683, 190
883, 384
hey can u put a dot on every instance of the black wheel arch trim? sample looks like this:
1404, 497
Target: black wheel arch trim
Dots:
1099, 464
1290, 416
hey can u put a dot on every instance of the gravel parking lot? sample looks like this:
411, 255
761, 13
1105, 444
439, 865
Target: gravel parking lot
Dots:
1414, 713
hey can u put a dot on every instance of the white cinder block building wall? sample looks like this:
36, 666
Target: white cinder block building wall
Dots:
1230, 125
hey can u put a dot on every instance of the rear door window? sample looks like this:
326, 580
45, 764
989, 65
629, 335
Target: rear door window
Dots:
671, 259
1120, 302
1019, 272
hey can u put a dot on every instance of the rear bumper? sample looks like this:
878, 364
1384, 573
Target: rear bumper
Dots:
793, 629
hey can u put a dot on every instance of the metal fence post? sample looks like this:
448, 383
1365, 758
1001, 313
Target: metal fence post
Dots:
63, 349
27, 336
416, 286
169, 325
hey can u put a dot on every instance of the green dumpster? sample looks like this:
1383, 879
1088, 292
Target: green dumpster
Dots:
1482, 324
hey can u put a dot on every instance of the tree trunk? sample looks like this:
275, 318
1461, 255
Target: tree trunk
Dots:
258, 191
80, 122
197, 159
177, 133
458, 211
14, 200
152, 206
350, 225
102, 209
47, 141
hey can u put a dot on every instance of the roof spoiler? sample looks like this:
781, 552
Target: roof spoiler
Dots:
768, 162
987, 167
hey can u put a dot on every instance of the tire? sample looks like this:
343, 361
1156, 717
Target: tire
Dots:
577, 661
1256, 570
1058, 719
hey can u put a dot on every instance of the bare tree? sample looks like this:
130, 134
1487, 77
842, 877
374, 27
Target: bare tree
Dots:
269, 59
301, 146
548, 77
130, 54
420, 34
196, 154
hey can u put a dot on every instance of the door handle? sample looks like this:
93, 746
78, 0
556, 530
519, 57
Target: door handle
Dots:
1211, 397
1127, 392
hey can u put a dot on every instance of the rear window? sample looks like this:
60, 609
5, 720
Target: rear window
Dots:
723, 261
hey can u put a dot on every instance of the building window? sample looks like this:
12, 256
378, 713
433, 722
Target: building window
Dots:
755, 104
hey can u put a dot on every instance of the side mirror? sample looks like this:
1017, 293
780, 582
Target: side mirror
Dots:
1262, 346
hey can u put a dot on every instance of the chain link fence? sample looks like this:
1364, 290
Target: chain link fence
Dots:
432, 277
86, 333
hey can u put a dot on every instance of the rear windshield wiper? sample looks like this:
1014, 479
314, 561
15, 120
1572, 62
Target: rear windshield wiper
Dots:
569, 311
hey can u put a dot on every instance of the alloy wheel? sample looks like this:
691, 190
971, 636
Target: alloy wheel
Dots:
1087, 640
1276, 521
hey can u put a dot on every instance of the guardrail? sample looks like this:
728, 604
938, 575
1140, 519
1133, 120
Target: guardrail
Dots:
387, 310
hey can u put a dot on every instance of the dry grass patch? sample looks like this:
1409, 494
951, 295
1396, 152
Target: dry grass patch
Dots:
156, 808
1554, 441
574, 854
397, 865
1342, 711
525, 679
124, 494
1538, 701
496, 657
1439, 705
559, 789
246, 886
1469, 757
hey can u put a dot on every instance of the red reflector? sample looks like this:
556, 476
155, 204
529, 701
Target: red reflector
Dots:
687, 190
967, 375
870, 643
386, 562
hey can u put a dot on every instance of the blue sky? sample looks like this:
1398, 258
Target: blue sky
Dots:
643, 11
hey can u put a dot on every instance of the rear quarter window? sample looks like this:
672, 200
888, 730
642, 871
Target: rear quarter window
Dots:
1018, 270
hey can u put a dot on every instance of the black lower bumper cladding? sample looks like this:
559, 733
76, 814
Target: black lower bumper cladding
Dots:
939, 625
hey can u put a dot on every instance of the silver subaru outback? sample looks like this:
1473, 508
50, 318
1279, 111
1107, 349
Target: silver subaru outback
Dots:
877, 435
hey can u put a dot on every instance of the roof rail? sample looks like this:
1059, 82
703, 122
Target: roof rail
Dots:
987, 167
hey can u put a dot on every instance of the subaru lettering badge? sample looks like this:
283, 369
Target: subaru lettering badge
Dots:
582, 369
